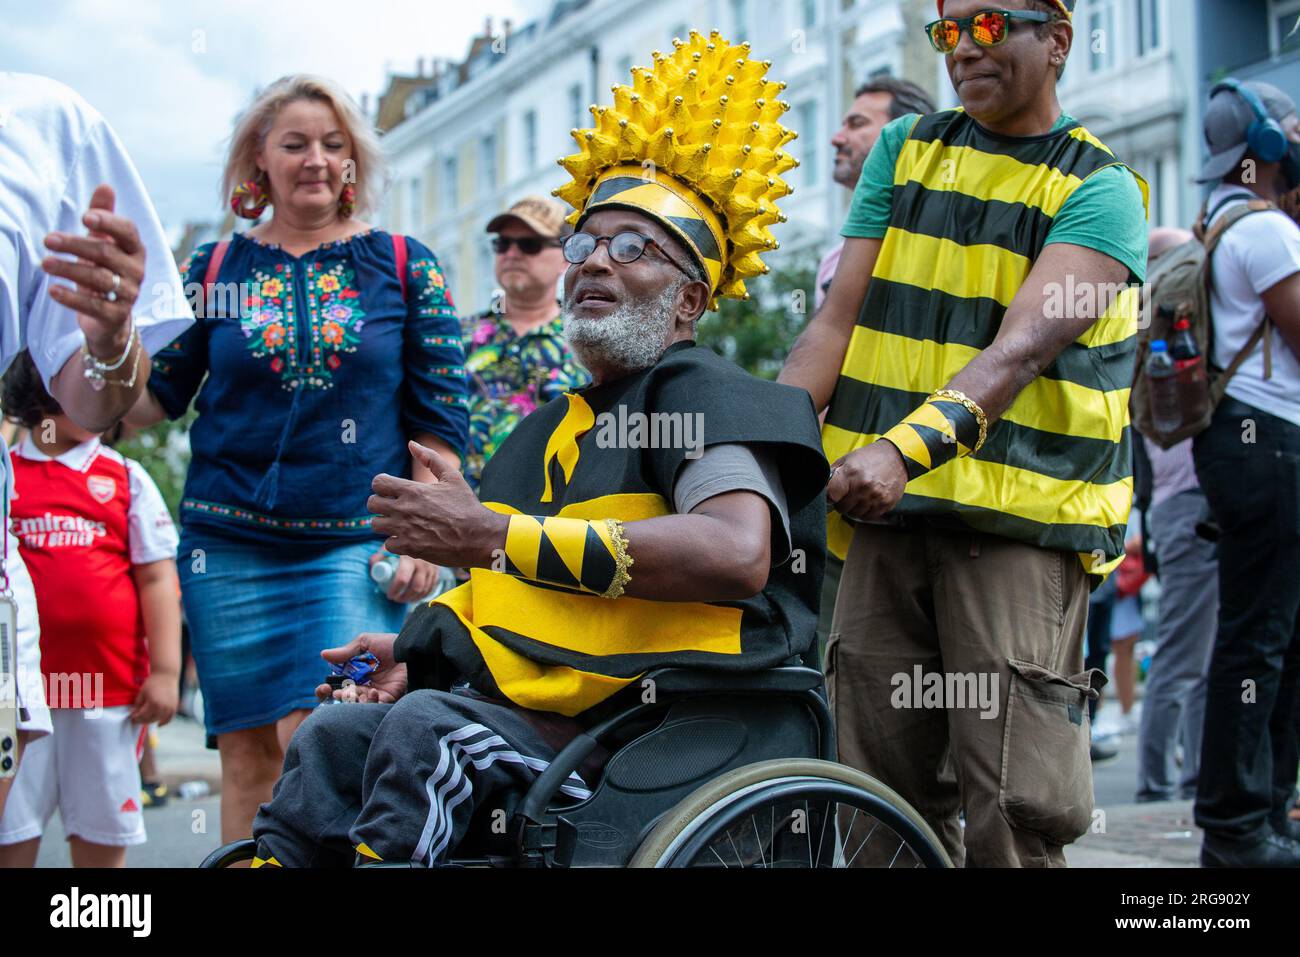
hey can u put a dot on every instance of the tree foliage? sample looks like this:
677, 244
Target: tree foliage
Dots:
758, 334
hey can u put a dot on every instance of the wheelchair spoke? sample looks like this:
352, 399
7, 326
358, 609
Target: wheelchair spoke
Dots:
739, 859
808, 830
863, 844
822, 839
771, 831
719, 857
762, 858
901, 845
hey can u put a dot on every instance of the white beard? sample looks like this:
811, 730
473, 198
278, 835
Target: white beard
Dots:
630, 338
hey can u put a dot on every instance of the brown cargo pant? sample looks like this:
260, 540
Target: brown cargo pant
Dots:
997, 723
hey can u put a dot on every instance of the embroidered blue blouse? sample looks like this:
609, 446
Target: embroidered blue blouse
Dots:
318, 371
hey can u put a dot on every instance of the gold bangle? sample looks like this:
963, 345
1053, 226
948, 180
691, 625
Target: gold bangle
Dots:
622, 559
980, 418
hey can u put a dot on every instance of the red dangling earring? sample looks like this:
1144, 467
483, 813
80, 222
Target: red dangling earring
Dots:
348, 202
254, 190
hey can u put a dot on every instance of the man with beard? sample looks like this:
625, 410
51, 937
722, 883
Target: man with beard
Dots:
596, 554
876, 104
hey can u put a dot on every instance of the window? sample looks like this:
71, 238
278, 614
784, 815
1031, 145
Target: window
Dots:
624, 72
1148, 26
739, 21
809, 12
450, 184
415, 204
530, 139
1285, 17
810, 138
575, 107
1101, 36
486, 278
487, 164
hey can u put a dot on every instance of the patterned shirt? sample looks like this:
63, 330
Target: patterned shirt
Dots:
509, 376
311, 372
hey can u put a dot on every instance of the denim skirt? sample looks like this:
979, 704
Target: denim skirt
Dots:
259, 616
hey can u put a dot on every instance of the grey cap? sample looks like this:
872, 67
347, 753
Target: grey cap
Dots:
1227, 119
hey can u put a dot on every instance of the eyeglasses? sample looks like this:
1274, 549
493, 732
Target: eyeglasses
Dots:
988, 28
624, 247
528, 245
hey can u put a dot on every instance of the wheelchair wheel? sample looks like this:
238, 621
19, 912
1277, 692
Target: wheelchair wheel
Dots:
792, 813
232, 853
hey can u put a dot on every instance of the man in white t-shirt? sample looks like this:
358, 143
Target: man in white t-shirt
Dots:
1248, 462
90, 307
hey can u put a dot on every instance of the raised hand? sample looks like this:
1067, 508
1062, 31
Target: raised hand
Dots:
107, 275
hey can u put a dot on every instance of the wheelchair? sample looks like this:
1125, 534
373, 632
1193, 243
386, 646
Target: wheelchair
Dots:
704, 770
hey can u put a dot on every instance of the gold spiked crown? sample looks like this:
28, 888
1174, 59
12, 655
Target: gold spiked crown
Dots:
695, 142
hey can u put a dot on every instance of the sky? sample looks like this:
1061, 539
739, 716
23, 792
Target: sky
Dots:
170, 76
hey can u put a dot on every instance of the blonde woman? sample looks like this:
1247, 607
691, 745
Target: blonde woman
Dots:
341, 344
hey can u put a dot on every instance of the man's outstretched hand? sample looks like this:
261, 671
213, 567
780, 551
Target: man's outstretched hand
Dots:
386, 685
441, 522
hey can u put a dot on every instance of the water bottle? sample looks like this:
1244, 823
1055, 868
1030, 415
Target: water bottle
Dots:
1166, 411
335, 682
382, 572
192, 790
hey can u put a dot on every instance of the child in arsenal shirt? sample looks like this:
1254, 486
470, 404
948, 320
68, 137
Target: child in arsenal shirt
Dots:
100, 546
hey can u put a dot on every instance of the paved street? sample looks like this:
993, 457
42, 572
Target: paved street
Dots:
1129, 835
181, 832
1135, 835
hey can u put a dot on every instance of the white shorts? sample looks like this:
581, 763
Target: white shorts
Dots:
89, 770
33, 714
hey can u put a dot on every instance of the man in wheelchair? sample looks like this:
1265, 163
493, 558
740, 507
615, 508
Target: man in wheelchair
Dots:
671, 514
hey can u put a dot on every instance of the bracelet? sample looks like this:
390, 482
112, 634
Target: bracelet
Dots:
948, 425
95, 368
588, 556
135, 369
973, 408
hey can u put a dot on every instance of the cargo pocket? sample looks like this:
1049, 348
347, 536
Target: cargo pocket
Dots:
1046, 771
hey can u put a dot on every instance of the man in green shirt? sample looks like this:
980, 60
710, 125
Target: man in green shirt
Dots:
974, 356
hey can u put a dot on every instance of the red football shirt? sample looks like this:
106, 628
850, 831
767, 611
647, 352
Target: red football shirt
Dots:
79, 524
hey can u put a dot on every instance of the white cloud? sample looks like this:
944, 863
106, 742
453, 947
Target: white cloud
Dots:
171, 76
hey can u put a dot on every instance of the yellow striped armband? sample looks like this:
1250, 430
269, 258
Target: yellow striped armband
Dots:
589, 556
947, 426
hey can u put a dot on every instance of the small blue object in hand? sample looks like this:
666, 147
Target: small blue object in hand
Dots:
358, 668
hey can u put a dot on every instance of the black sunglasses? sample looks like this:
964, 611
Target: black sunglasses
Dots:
624, 247
988, 28
528, 245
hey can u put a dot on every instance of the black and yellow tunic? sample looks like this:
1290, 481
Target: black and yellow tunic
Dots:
971, 213
552, 649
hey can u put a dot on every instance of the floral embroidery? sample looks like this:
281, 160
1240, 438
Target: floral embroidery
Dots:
334, 323
430, 287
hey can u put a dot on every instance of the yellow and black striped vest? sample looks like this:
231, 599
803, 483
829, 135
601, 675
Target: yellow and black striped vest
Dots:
971, 213
548, 648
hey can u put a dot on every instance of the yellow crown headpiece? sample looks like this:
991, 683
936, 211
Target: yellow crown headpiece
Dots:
695, 142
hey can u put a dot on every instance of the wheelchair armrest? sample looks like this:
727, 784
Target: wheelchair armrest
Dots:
793, 679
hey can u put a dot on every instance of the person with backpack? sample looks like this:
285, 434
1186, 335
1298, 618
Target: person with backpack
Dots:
326, 346
1248, 463
1173, 708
